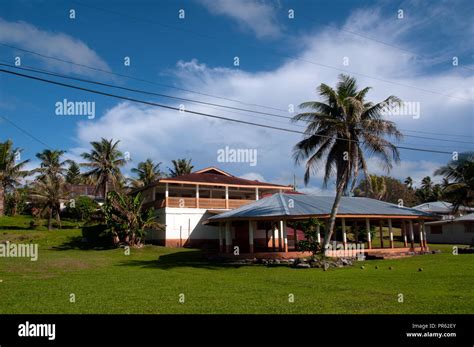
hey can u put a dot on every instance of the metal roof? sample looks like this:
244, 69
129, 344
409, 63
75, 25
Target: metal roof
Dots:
299, 205
465, 218
440, 207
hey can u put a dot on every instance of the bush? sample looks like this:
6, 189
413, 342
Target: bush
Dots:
97, 234
81, 208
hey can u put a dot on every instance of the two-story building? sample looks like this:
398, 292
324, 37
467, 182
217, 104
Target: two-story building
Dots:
183, 203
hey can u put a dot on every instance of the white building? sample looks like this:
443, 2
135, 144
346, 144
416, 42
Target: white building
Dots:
459, 230
183, 203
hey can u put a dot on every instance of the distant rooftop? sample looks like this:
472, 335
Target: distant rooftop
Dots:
440, 207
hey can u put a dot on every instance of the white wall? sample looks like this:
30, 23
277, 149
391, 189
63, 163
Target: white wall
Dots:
453, 232
190, 220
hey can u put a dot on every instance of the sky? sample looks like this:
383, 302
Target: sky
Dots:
402, 48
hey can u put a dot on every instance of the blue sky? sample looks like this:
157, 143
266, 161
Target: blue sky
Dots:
282, 61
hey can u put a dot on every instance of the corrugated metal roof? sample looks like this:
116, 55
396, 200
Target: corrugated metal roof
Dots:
440, 207
293, 205
465, 218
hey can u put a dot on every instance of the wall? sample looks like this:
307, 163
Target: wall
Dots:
453, 232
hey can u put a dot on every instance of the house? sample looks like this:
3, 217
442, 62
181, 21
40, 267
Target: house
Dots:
182, 204
269, 226
444, 209
459, 230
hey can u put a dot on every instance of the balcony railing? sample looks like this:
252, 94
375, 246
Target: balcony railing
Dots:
205, 203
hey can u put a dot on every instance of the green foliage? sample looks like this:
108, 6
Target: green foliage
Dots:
16, 202
126, 218
389, 189
97, 234
181, 167
310, 244
82, 208
73, 174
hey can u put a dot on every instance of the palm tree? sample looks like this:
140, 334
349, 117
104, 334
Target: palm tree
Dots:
342, 129
105, 161
148, 172
48, 191
73, 174
377, 188
460, 177
11, 172
427, 184
51, 164
409, 182
181, 167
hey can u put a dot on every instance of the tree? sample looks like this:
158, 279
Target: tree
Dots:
73, 174
48, 192
148, 172
409, 182
11, 170
395, 191
51, 164
460, 177
126, 218
428, 191
181, 167
105, 161
343, 129
310, 243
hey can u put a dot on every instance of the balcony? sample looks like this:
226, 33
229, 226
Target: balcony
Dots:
205, 203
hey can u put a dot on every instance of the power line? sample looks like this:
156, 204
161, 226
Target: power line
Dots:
49, 73
195, 112
273, 52
135, 78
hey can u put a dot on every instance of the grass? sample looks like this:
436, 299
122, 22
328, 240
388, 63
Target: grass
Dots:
151, 279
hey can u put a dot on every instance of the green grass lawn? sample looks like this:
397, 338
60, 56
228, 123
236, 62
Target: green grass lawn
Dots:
151, 279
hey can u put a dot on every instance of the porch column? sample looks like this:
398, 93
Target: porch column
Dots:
285, 236
369, 237
251, 232
318, 234
344, 235
228, 237
356, 231
390, 232
412, 237
166, 194
381, 233
197, 195
274, 233
296, 236
424, 235
256, 193
221, 238
226, 197
280, 236
420, 231
404, 231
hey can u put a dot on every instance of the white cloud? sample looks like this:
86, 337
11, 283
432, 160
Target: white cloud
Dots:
164, 135
55, 44
255, 15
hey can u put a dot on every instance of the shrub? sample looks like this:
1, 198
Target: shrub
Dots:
81, 208
97, 234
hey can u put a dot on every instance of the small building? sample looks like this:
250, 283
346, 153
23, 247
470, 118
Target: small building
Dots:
444, 209
183, 203
269, 226
459, 230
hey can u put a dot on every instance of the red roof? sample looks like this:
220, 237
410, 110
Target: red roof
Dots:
218, 177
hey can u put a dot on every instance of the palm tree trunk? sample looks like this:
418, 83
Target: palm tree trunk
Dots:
332, 219
50, 219
2, 201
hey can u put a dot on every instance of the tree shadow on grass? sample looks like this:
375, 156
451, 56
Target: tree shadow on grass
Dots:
77, 243
195, 259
